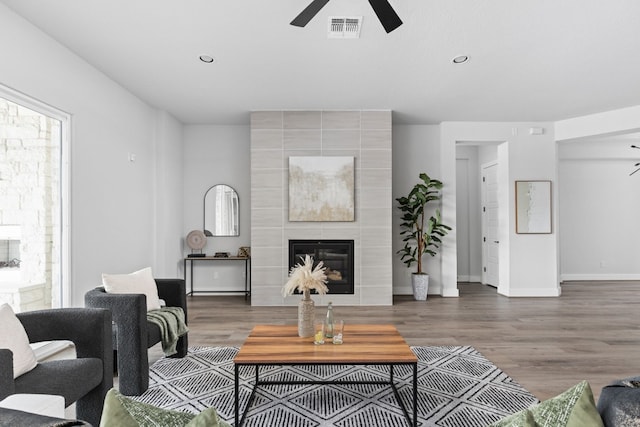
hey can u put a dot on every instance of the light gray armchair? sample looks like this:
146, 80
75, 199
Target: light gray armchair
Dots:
84, 380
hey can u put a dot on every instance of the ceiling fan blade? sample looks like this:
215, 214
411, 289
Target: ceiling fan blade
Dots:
308, 13
387, 16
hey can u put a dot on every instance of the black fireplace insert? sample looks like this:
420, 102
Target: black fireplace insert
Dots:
337, 257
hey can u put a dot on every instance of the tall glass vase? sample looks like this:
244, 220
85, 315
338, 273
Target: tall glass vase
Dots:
306, 315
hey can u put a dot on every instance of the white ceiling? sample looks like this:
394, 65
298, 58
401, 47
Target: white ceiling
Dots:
531, 60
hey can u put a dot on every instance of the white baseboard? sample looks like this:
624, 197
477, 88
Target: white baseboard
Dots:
533, 292
402, 290
470, 279
598, 277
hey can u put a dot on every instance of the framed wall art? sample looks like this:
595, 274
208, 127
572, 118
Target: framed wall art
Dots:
533, 207
321, 188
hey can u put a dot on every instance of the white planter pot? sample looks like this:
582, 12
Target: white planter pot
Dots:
420, 285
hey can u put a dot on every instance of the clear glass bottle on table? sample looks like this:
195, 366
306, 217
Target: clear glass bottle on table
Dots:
328, 322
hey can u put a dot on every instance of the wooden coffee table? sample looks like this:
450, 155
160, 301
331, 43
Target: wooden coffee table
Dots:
363, 345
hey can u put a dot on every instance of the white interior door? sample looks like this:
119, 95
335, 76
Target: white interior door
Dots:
490, 243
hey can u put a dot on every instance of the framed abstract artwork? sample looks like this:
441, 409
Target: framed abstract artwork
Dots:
533, 207
321, 189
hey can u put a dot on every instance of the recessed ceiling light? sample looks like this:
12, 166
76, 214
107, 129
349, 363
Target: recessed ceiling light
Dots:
460, 59
206, 58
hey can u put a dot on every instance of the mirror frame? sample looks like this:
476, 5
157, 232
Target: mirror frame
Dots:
533, 196
210, 233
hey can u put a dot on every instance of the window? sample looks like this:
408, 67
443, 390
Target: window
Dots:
33, 184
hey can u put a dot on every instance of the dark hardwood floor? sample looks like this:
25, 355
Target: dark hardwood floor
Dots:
591, 332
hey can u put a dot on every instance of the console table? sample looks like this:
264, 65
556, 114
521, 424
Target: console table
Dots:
247, 279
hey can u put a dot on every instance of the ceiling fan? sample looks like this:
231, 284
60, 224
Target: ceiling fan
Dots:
387, 16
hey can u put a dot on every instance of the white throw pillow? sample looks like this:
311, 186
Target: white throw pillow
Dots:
138, 282
15, 338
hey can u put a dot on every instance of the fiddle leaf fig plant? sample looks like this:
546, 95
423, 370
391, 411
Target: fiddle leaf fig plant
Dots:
420, 234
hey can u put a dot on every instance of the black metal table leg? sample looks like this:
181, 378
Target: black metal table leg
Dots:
415, 395
237, 395
191, 277
412, 421
246, 278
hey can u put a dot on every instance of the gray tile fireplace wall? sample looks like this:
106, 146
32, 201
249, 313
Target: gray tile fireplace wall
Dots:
365, 135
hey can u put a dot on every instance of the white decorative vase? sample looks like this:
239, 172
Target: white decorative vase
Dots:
306, 315
420, 285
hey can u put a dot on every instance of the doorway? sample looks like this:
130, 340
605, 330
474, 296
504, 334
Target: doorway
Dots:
477, 212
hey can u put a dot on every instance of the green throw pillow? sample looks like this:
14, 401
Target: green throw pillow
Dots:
523, 418
573, 408
122, 411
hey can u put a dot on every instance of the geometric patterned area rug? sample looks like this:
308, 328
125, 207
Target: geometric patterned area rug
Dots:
457, 387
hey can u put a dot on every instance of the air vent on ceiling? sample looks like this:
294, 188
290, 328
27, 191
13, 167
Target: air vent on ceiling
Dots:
344, 27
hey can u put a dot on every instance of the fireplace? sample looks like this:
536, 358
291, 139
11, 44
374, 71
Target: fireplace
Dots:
337, 256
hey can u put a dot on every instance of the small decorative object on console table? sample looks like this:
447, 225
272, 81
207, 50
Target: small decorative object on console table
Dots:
196, 240
305, 278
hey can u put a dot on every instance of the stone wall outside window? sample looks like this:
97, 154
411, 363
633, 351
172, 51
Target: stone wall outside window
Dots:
30, 200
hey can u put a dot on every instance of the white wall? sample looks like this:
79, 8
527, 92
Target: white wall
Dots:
599, 210
168, 192
416, 149
614, 122
599, 207
112, 199
487, 153
533, 258
216, 155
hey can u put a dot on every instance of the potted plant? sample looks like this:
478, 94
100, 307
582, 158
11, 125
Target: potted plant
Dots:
420, 233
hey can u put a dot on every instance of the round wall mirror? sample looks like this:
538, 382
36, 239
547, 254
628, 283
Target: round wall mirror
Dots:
221, 211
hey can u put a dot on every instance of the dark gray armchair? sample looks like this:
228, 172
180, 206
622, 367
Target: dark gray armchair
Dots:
133, 334
14, 418
84, 380
619, 403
